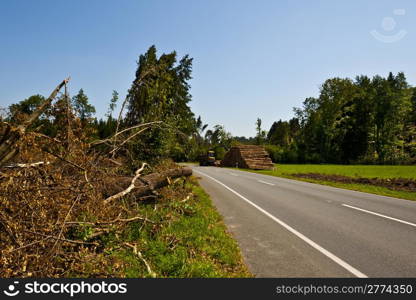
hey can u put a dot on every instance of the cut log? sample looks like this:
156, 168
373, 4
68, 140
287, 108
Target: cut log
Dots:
145, 185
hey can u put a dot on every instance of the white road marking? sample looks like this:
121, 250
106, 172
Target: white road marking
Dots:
233, 174
265, 182
325, 252
380, 215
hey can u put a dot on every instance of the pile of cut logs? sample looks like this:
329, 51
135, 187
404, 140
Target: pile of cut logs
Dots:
247, 157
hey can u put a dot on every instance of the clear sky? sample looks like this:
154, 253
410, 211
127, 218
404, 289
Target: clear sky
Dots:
251, 58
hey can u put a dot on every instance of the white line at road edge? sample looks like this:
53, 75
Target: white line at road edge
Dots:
265, 182
380, 215
325, 252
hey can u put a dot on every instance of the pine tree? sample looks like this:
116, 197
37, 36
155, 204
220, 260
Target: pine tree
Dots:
83, 109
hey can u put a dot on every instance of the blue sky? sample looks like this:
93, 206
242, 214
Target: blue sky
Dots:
251, 58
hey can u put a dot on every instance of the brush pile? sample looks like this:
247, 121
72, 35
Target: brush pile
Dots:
60, 197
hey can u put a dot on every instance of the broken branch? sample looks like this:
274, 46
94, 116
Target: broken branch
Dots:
139, 254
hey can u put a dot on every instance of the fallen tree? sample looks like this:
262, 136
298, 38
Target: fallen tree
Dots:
54, 191
146, 185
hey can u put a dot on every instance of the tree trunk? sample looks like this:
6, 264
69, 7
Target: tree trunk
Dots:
145, 185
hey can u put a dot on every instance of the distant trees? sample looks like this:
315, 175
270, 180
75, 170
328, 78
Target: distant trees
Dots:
279, 134
260, 133
361, 120
25, 107
83, 109
20, 111
49, 125
369, 120
244, 140
113, 104
281, 140
107, 127
218, 140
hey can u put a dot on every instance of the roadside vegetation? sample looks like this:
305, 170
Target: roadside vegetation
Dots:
352, 121
386, 180
104, 198
87, 196
369, 171
357, 134
182, 238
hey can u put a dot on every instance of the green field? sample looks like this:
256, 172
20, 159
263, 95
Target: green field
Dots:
367, 171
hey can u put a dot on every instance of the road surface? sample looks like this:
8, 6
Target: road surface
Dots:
289, 228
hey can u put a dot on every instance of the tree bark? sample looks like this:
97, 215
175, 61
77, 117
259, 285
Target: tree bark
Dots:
147, 184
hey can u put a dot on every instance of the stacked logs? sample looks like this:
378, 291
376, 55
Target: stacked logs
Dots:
247, 157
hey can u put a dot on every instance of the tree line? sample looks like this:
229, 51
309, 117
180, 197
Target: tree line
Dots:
365, 120
361, 120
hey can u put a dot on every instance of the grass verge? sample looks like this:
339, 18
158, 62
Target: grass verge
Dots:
372, 171
188, 239
368, 171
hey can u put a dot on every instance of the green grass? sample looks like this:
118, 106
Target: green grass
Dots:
188, 240
367, 171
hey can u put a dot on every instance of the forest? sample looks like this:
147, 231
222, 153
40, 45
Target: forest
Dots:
360, 121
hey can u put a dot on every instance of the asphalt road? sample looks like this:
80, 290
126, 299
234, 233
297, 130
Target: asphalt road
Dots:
289, 228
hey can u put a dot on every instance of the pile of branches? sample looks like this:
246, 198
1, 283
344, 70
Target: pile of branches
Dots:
53, 189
